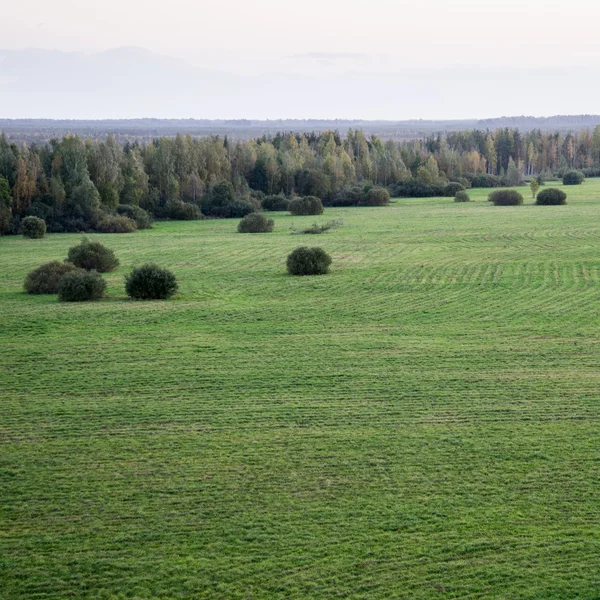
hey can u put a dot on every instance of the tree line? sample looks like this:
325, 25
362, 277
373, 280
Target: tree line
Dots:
75, 184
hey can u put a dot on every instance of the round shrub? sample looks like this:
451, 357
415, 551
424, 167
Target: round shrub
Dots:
32, 227
150, 282
275, 203
377, 196
80, 286
462, 196
308, 261
551, 196
45, 279
116, 224
139, 215
573, 178
307, 205
93, 256
452, 188
256, 223
505, 198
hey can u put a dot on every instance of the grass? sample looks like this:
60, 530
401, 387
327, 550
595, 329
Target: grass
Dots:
421, 423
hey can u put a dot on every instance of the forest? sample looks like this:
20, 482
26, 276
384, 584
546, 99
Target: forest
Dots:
79, 185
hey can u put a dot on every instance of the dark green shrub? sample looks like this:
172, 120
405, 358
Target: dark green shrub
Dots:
307, 205
417, 189
139, 215
32, 227
275, 203
376, 196
93, 256
505, 198
45, 279
80, 286
256, 223
308, 261
116, 224
551, 196
462, 196
573, 178
452, 188
182, 211
150, 282
346, 196
481, 180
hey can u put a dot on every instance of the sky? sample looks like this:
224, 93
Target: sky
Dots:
317, 37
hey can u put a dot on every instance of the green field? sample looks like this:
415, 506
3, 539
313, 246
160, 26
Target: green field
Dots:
421, 423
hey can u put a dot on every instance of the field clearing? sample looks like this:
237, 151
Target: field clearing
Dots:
421, 423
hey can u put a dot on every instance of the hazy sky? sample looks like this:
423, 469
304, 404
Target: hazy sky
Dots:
371, 59
316, 35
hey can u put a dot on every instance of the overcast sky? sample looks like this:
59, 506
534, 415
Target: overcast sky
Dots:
327, 39
262, 35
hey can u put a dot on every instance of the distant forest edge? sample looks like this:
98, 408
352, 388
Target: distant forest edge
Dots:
77, 184
30, 130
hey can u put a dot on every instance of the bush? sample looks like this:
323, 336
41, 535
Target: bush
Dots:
462, 196
45, 279
573, 178
505, 198
308, 261
376, 196
551, 196
452, 188
32, 227
276, 203
256, 223
93, 256
308, 205
182, 211
481, 180
346, 196
139, 215
417, 189
150, 282
80, 286
116, 224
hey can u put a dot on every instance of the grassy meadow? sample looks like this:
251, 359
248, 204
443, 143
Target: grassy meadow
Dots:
423, 422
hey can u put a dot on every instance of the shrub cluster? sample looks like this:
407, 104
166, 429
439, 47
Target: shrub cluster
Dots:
308, 261
462, 196
417, 189
222, 203
452, 189
150, 282
551, 196
307, 205
256, 223
94, 256
45, 279
505, 198
376, 196
33, 227
276, 203
81, 286
139, 215
182, 211
573, 178
116, 224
